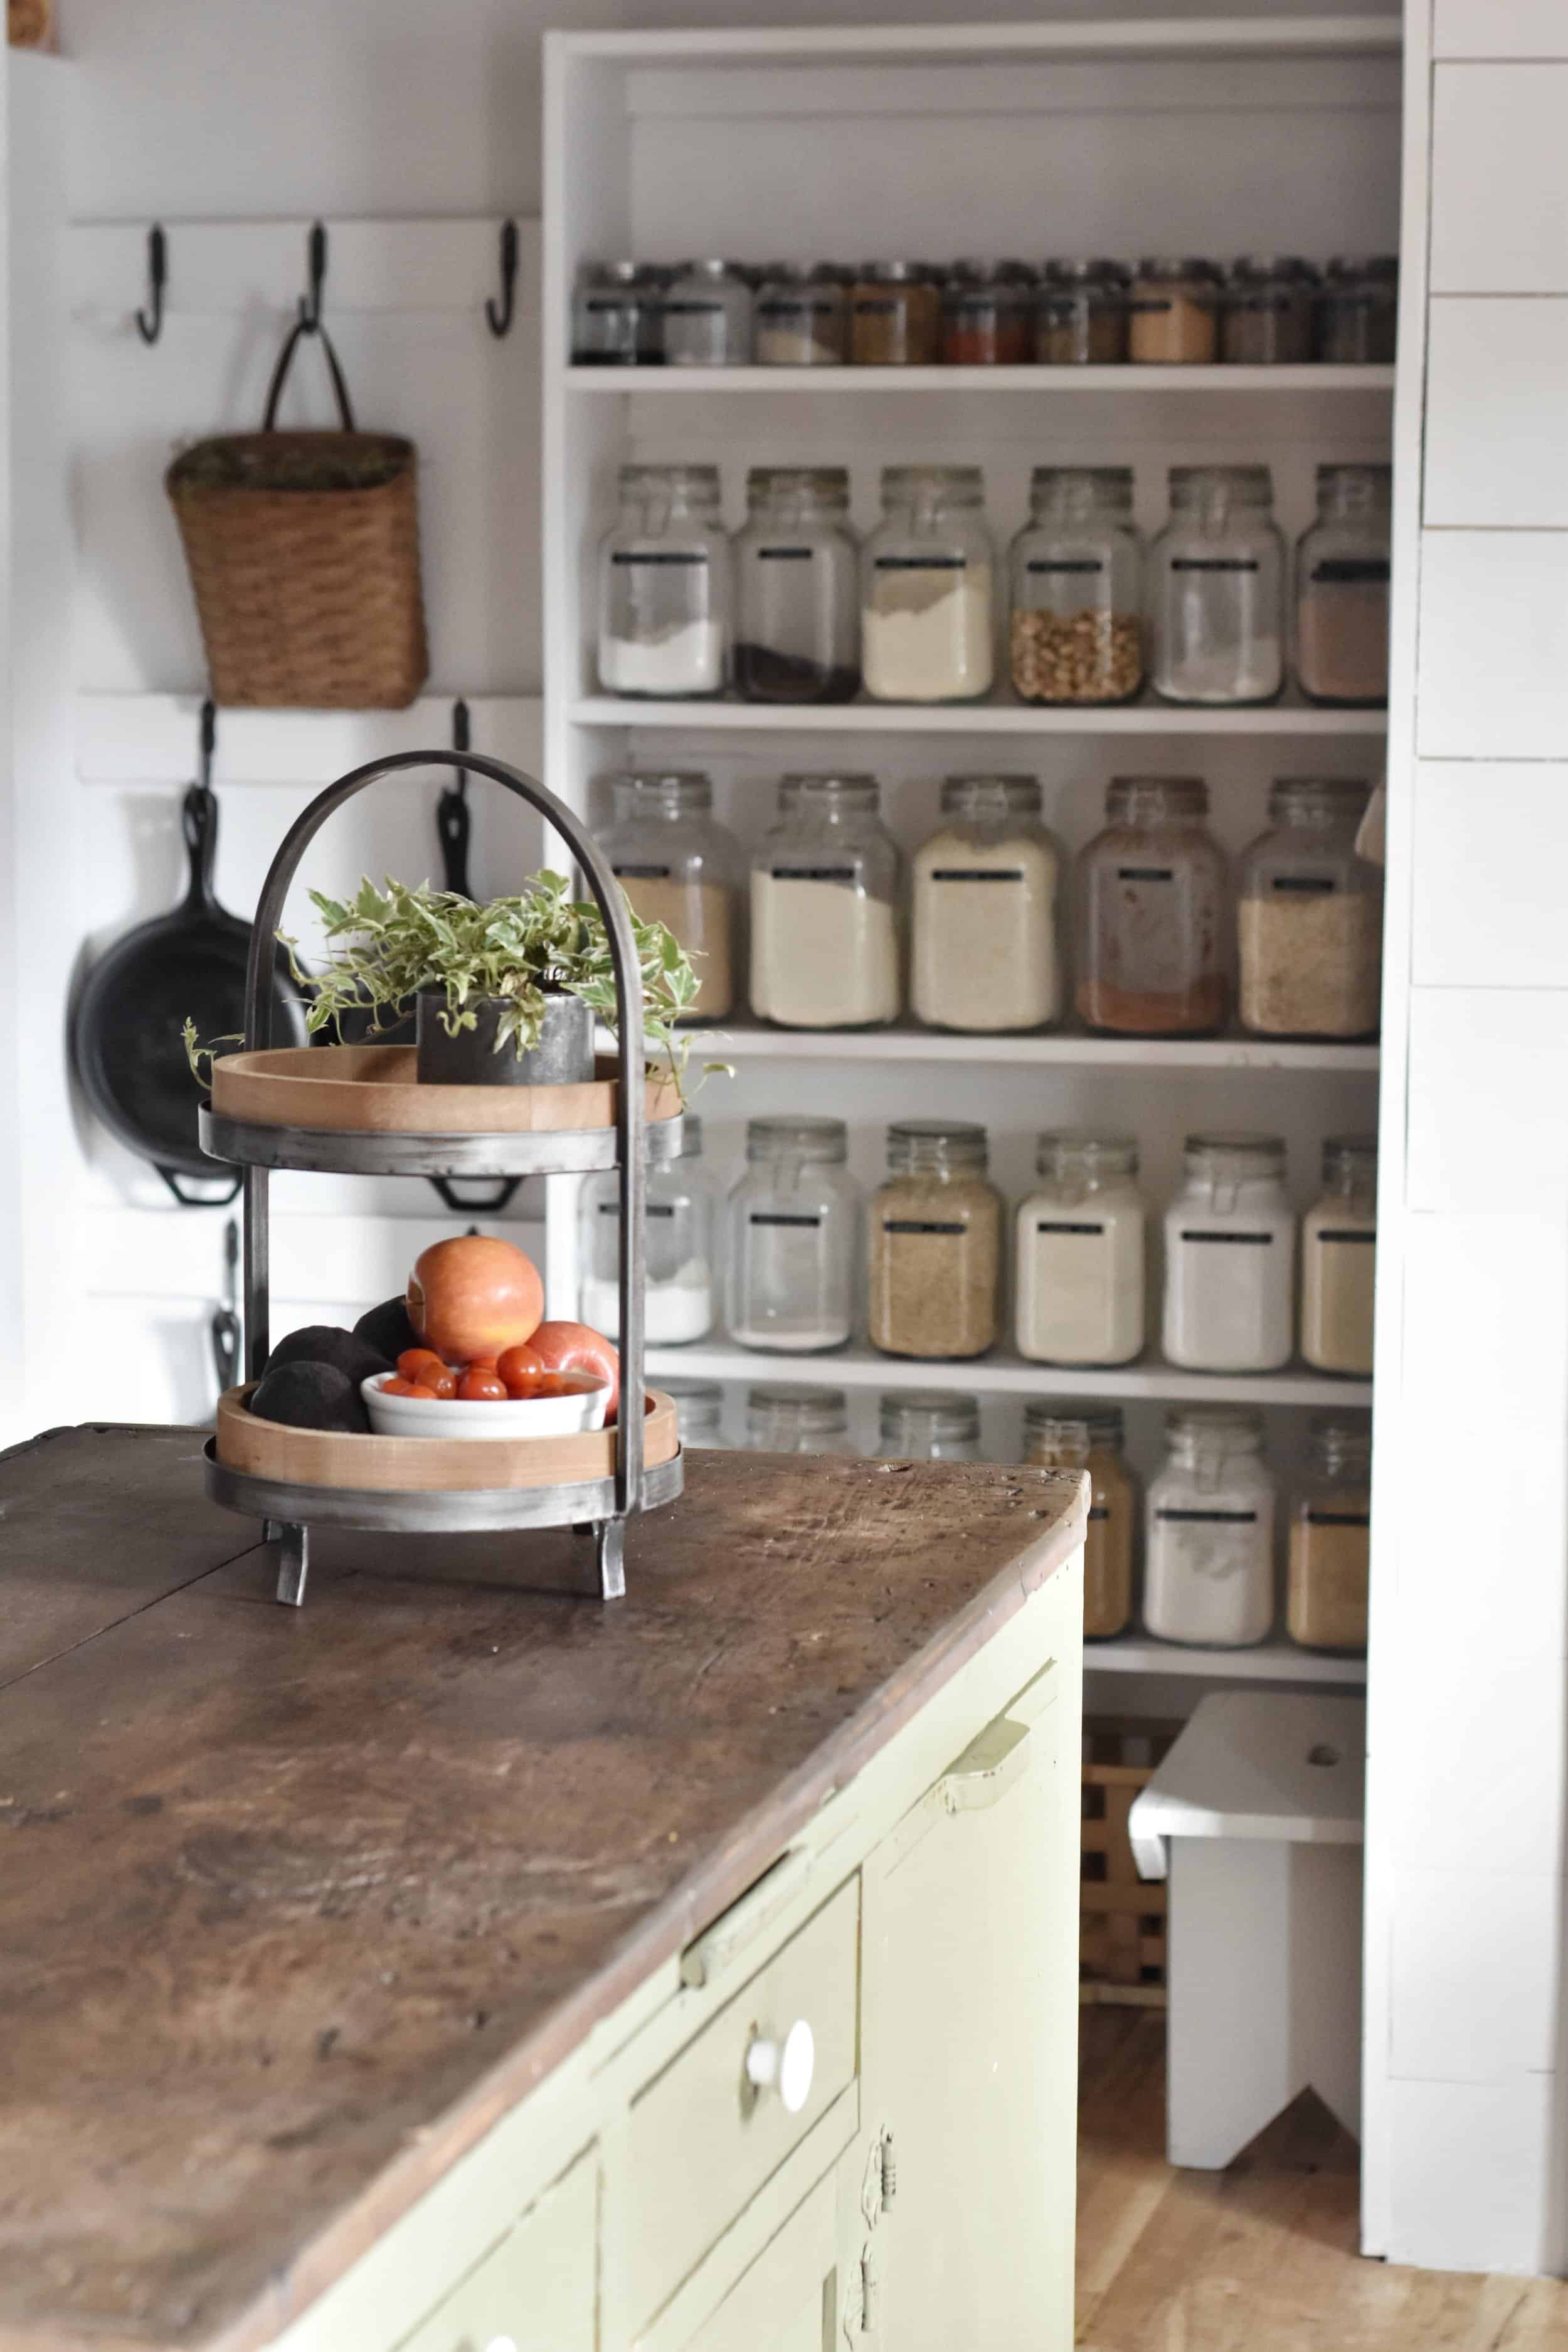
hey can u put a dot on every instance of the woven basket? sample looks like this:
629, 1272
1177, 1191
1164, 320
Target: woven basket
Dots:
304, 550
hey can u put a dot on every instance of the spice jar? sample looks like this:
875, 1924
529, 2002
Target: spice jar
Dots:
781, 1420
1330, 1535
895, 315
679, 868
802, 316
825, 887
615, 316
707, 314
793, 1231
935, 1242
1079, 1269
1339, 1259
929, 1426
797, 587
1341, 589
1358, 310
985, 954
1080, 314
1174, 313
1061, 1435
1216, 589
1076, 579
1230, 1246
665, 585
1309, 917
987, 317
1267, 315
925, 588
1153, 918
1209, 1574
677, 1248
698, 1413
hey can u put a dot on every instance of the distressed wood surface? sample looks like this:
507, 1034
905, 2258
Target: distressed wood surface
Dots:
298, 1904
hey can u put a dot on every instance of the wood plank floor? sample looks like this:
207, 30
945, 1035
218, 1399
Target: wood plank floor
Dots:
1261, 2257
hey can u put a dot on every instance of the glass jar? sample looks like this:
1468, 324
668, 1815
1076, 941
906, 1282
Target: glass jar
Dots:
797, 587
987, 315
781, 1420
895, 315
985, 947
1080, 314
1309, 916
1339, 1259
1267, 315
680, 1280
1060, 1435
925, 588
665, 585
1174, 313
1152, 918
1230, 1248
929, 1426
698, 1413
794, 1232
677, 866
1341, 589
802, 316
827, 883
1358, 310
1208, 1573
1330, 1535
935, 1242
706, 315
1076, 579
615, 316
1080, 1260
1216, 589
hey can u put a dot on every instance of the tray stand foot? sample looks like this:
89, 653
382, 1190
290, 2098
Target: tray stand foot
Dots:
609, 1535
292, 1546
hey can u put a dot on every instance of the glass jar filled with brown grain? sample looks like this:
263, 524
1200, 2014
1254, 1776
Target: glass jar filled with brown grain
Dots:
1330, 1535
935, 1242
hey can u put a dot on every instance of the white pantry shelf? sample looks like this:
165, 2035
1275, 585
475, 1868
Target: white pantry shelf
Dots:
700, 718
745, 1041
878, 382
1274, 1661
1003, 1374
1220, 36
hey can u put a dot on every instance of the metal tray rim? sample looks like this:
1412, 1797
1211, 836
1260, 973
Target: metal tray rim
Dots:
431, 1510
562, 1151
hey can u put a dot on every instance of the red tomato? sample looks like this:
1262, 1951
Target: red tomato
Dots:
420, 1363
443, 1383
472, 1295
519, 1364
477, 1387
407, 1388
574, 1347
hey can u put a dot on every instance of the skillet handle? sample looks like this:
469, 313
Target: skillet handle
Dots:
199, 817
171, 1177
454, 825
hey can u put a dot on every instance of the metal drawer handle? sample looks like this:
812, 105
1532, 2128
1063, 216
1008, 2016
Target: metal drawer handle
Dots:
786, 2066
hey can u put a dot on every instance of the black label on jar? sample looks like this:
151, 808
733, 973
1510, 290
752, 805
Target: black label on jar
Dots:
1073, 563
651, 1208
1062, 1225
814, 874
805, 307
641, 873
1306, 886
1367, 1233
977, 874
1213, 563
1145, 874
920, 563
1246, 1241
919, 1226
879, 306
1351, 571
692, 310
664, 555
1210, 1519
1338, 1518
784, 554
785, 1217
612, 306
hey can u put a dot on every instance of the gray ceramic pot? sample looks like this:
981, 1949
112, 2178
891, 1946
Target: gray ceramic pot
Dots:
563, 1057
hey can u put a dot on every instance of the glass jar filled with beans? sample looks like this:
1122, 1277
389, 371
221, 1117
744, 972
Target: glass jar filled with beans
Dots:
935, 1242
1080, 314
1076, 582
895, 315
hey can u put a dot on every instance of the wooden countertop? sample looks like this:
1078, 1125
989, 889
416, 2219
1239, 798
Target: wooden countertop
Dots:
295, 1904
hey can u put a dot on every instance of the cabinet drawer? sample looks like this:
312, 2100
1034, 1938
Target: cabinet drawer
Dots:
536, 2291
702, 2141
784, 2303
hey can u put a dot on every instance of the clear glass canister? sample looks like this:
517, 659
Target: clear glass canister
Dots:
1208, 1573
1153, 923
801, 318
1216, 589
895, 315
1174, 313
1230, 1252
935, 1256
1076, 581
987, 314
1341, 589
797, 587
699, 1412
707, 314
1339, 1259
926, 595
985, 950
794, 1238
679, 868
826, 887
1267, 315
665, 585
1060, 1435
783, 1420
680, 1275
615, 316
1079, 1255
1330, 1535
1358, 310
1309, 916
929, 1426
1080, 314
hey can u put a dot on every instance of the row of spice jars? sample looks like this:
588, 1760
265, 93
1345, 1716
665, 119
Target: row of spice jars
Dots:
793, 609
1263, 309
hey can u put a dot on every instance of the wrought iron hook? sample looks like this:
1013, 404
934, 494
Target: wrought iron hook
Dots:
150, 326
461, 740
501, 318
208, 741
310, 304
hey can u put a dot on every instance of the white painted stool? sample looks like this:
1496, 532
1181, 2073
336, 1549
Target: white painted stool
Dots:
1257, 1816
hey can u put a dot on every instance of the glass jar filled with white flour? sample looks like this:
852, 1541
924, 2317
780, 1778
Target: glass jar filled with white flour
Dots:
781, 1420
679, 868
827, 883
1339, 1259
929, 1426
794, 1237
1080, 1255
1230, 1249
665, 585
1216, 589
678, 1247
985, 927
927, 620
1209, 1574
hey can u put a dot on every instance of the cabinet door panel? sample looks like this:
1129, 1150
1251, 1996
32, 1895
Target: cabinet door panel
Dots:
785, 2302
536, 2291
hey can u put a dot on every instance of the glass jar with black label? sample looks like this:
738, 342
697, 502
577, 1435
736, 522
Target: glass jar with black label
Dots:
707, 313
678, 1247
1208, 1573
987, 314
927, 624
1309, 916
1341, 589
1230, 1257
664, 587
1080, 314
1330, 1537
1061, 1433
1172, 312
1076, 573
826, 907
1216, 589
1153, 913
794, 1238
797, 587
935, 1242
802, 316
615, 315
985, 950
895, 315
1267, 314
1339, 1260
679, 868
1358, 310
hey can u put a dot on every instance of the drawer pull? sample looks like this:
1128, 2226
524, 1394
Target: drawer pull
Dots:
786, 2066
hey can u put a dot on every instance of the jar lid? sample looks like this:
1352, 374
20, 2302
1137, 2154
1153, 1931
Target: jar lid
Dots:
929, 1415
1156, 796
1253, 484
678, 789
807, 1138
785, 273
1252, 268
1362, 264
831, 793
699, 481
1377, 478
1064, 1150
1237, 1155
816, 481
1342, 798
700, 1398
832, 273
715, 268
1226, 1428
1067, 477
1166, 270
901, 482
1079, 273
991, 796
1341, 1437
1099, 1424
936, 1146
822, 1411
616, 273
1350, 1158
897, 273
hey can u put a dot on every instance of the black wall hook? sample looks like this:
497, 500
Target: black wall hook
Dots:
461, 742
209, 740
150, 323
501, 320
310, 305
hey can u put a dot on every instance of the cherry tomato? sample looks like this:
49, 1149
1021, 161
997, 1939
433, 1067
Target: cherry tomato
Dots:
443, 1383
518, 1367
420, 1363
480, 1387
403, 1388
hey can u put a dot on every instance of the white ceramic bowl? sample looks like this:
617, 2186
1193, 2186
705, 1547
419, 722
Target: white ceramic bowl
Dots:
582, 1407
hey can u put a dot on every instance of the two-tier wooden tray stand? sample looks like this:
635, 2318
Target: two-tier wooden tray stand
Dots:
600, 1505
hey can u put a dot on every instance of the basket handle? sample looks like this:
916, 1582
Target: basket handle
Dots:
286, 361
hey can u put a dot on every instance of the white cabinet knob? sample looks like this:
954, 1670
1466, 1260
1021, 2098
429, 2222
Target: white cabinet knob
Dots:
501, 2344
786, 2066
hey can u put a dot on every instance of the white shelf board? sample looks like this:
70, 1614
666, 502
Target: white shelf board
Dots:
742, 1042
1002, 1374
1219, 35
672, 382
695, 717
1275, 1660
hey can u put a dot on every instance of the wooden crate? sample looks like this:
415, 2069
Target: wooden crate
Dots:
1122, 1918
